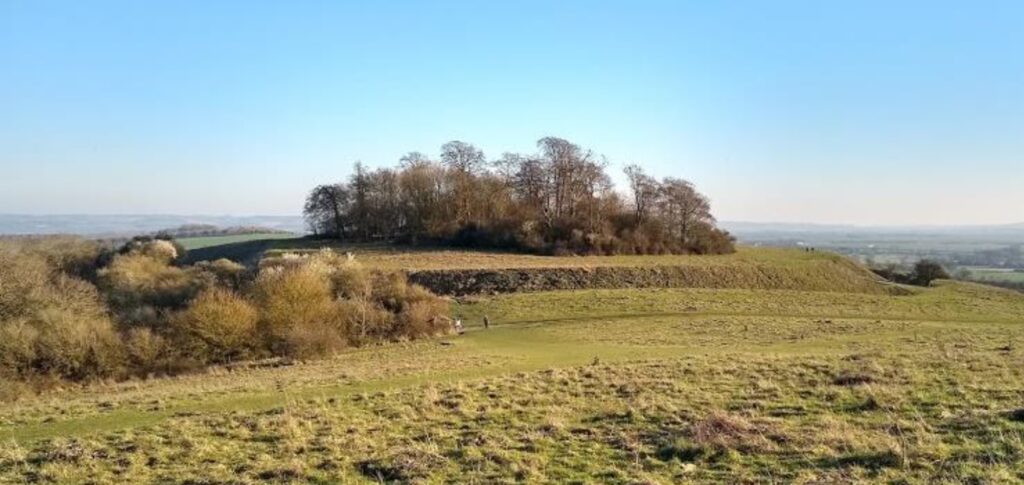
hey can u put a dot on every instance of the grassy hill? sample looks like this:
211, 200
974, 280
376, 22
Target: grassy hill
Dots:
611, 386
454, 272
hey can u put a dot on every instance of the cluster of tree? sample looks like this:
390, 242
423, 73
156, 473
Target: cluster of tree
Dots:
922, 274
71, 310
557, 201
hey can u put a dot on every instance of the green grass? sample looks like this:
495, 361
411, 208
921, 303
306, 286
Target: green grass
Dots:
603, 386
390, 257
996, 275
191, 243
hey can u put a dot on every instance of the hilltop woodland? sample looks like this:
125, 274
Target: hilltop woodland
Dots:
558, 201
73, 310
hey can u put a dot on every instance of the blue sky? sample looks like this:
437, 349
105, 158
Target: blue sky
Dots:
865, 112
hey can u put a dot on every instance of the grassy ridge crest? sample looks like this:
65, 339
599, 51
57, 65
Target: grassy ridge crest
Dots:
825, 274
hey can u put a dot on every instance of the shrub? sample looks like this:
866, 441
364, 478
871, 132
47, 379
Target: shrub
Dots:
51, 323
223, 272
137, 279
147, 352
76, 346
295, 304
926, 271
424, 318
352, 281
58, 343
218, 326
390, 290
24, 284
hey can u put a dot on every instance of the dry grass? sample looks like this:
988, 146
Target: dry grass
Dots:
701, 397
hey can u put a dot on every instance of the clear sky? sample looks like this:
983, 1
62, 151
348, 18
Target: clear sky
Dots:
866, 112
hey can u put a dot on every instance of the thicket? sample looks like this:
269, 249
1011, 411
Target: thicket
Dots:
71, 310
557, 201
921, 274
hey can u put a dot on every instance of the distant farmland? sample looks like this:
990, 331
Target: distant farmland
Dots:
191, 243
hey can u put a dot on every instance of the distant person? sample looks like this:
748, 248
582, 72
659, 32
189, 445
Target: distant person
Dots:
487, 322
458, 325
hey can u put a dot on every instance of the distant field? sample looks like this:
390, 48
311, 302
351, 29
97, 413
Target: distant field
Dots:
996, 274
608, 386
191, 243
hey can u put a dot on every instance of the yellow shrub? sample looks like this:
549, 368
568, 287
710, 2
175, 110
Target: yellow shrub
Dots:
295, 304
76, 346
217, 326
352, 281
136, 279
146, 351
366, 321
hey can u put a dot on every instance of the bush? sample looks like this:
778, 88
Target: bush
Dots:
218, 326
58, 343
137, 279
297, 307
352, 281
51, 323
366, 321
223, 272
147, 352
925, 271
57, 326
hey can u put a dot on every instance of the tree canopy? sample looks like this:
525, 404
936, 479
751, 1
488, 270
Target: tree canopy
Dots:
558, 200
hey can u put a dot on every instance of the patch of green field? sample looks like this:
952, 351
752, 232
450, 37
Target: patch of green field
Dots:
191, 243
609, 386
996, 275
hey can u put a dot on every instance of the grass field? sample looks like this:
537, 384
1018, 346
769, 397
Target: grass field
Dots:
601, 386
996, 274
416, 258
209, 241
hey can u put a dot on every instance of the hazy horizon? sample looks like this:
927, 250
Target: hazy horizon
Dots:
865, 113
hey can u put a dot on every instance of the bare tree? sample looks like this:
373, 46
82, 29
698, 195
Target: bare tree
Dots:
645, 192
557, 200
464, 162
684, 208
326, 208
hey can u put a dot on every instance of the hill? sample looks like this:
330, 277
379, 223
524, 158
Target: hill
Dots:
451, 272
610, 386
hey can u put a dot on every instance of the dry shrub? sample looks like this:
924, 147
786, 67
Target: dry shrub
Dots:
297, 307
366, 321
390, 289
720, 431
59, 343
217, 326
223, 271
352, 281
24, 283
146, 351
50, 323
17, 347
137, 279
424, 318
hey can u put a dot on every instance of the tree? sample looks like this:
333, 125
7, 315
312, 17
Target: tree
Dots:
464, 162
684, 208
326, 208
559, 200
926, 271
645, 192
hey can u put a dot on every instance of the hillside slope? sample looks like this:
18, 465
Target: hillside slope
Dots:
459, 273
